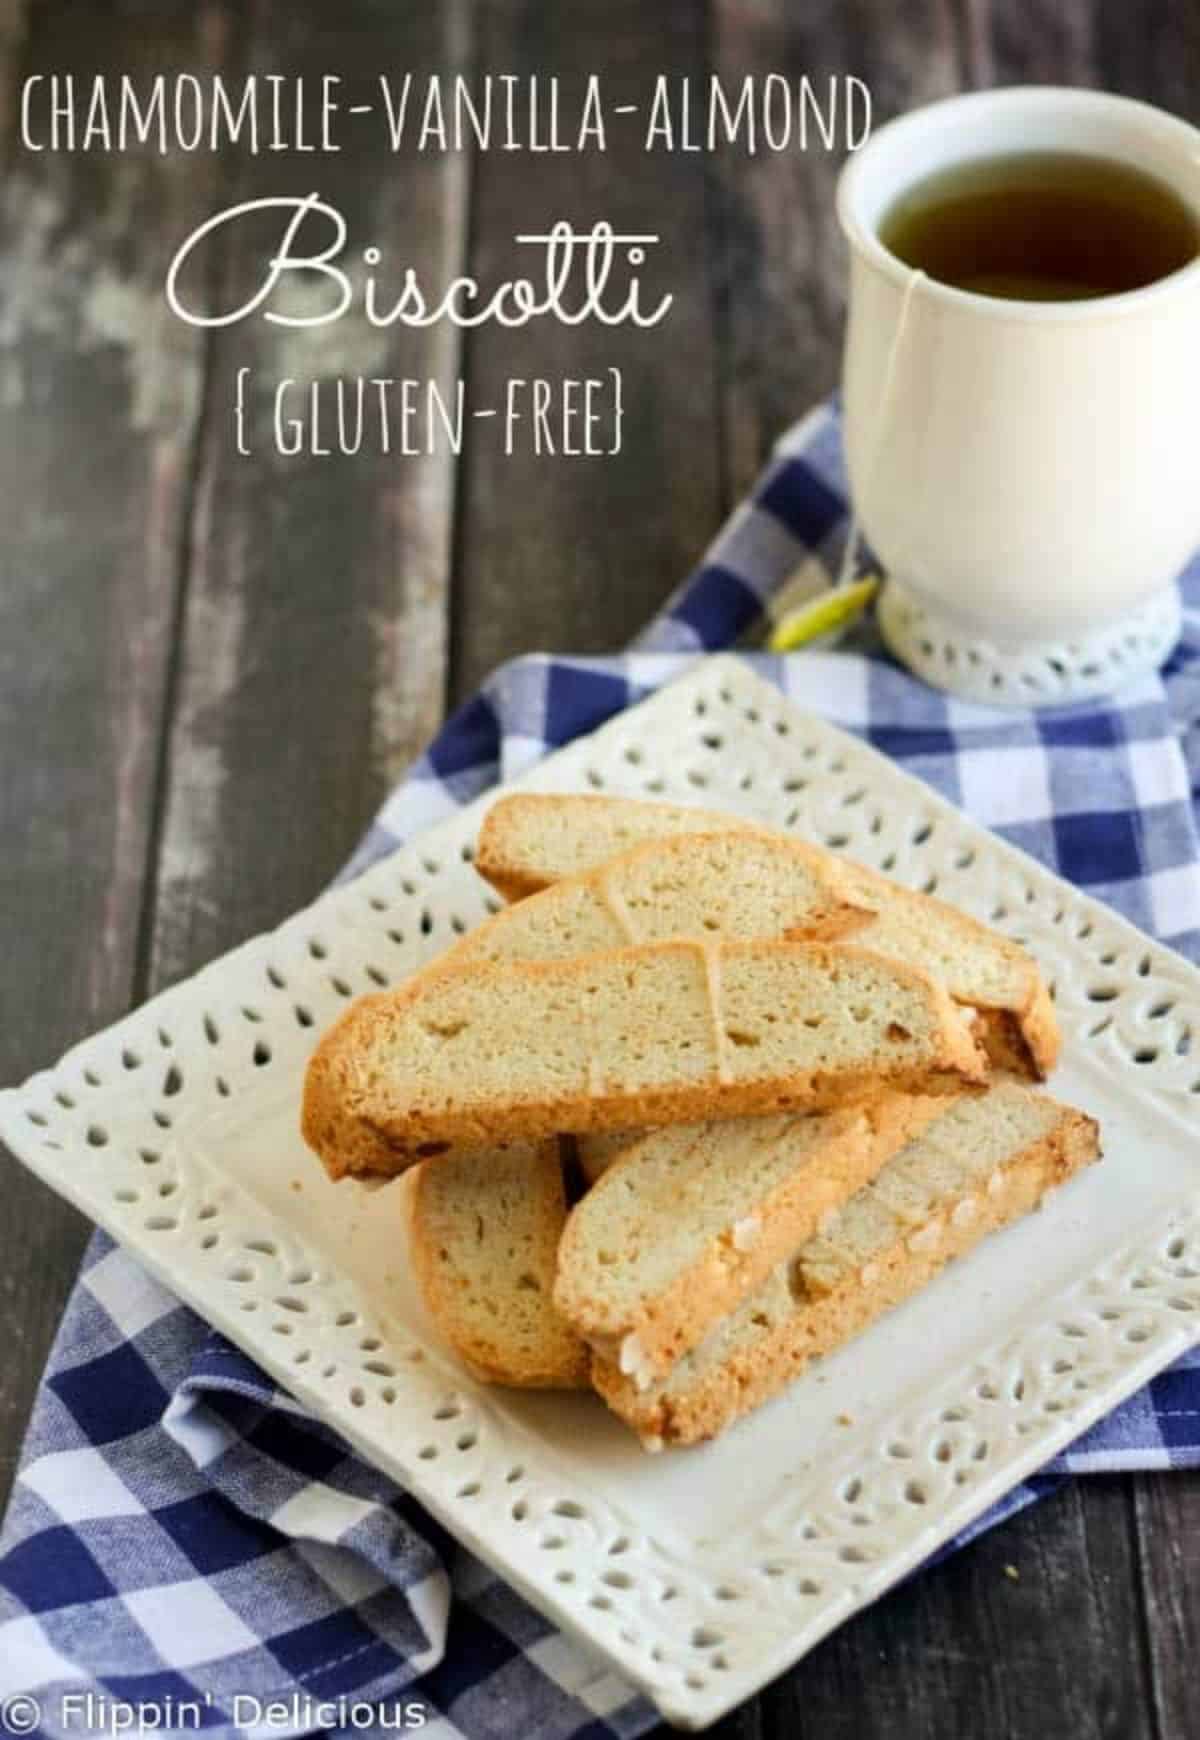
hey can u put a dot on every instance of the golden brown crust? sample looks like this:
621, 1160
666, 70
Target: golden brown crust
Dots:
761, 1368
1000, 1039
1031, 1039
553, 909
855, 1144
509, 884
348, 1121
328, 1125
1033, 1048
499, 1351
515, 877
1039, 1029
1003, 1038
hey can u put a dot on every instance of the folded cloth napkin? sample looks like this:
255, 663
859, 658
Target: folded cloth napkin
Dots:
182, 1535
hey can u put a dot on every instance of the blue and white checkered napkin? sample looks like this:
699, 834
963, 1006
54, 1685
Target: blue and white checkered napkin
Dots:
182, 1534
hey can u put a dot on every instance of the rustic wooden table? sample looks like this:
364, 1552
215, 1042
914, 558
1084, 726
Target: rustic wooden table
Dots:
212, 666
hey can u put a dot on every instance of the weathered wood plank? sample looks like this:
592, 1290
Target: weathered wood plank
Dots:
1153, 52
1002, 1639
101, 395
962, 1649
781, 260
1167, 1512
1042, 42
1150, 51
14, 24
314, 630
576, 553
313, 648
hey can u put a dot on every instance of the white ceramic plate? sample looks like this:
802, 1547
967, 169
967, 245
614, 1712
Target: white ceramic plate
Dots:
700, 1574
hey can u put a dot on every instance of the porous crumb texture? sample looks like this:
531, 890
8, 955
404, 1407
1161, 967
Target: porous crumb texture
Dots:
662, 1034
690, 1219
529, 840
985, 1162
977, 965
485, 1230
707, 885
537, 838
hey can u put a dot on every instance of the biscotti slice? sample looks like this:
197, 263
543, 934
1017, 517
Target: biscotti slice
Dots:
977, 965
988, 1160
485, 1229
728, 885
692, 1218
532, 839
668, 1033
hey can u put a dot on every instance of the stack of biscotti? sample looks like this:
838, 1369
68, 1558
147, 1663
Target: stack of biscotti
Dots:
787, 1089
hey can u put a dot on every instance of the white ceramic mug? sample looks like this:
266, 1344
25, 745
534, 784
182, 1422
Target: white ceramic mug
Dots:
1026, 471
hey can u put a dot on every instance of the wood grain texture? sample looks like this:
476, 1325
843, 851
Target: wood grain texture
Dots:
211, 666
579, 552
964, 1649
1167, 1517
14, 25
311, 663
998, 1641
100, 392
1152, 52
781, 260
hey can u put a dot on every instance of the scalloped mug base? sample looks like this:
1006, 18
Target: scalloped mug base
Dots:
937, 647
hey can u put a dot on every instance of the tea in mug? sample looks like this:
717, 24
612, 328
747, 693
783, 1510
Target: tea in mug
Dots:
1042, 226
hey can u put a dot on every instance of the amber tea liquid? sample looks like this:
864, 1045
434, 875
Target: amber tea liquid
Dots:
1042, 227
